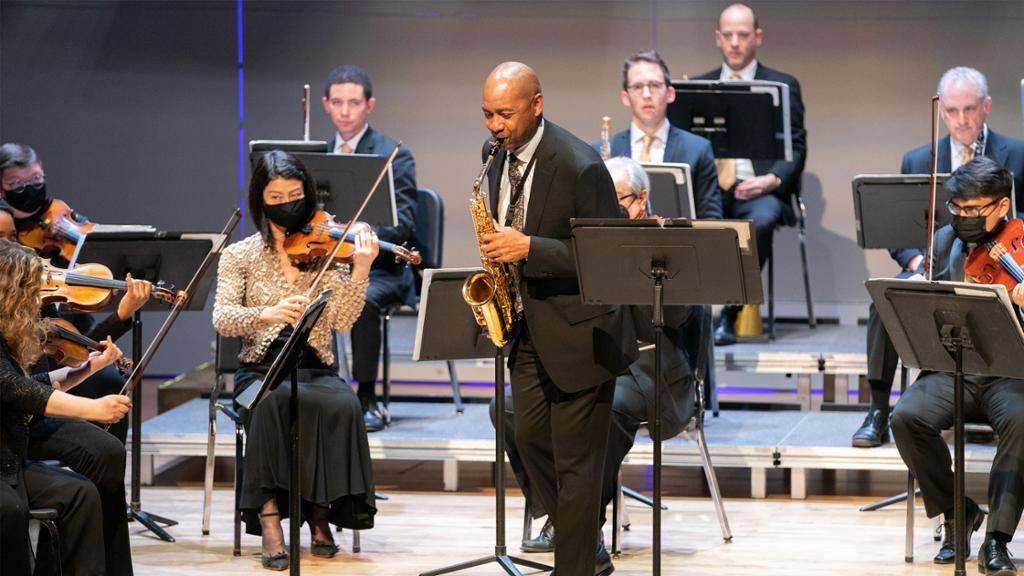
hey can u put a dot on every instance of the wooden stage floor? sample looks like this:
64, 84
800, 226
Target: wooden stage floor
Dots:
418, 531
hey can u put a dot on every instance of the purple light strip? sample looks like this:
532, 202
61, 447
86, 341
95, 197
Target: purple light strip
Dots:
239, 33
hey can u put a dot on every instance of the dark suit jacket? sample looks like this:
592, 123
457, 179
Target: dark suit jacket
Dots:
685, 148
404, 170
789, 172
677, 402
1006, 151
580, 346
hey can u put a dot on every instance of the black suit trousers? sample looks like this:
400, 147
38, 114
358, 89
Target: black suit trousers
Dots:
100, 457
386, 289
561, 439
765, 211
926, 409
78, 505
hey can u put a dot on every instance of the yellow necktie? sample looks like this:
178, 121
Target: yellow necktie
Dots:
735, 76
726, 173
966, 155
645, 154
345, 149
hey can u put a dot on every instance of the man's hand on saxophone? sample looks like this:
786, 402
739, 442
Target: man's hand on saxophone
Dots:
506, 244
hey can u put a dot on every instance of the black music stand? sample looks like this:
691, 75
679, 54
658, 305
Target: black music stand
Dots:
671, 193
169, 257
447, 330
342, 181
667, 263
891, 210
742, 119
955, 328
286, 364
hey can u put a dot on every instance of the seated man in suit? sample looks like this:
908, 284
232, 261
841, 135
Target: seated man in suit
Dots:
647, 92
964, 105
634, 390
348, 101
758, 190
980, 203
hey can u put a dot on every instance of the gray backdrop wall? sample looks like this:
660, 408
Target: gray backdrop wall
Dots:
134, 106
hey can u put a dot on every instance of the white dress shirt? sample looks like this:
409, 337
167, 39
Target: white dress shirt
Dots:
956, 149
354, 142
524, 153
744, 167
636, 140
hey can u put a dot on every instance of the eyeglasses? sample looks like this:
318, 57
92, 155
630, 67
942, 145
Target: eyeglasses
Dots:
984, 210
632, 198
654, 87
38, 179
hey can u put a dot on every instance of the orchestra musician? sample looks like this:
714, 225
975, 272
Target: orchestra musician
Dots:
980, 204
565, 355
26, 484
349, 101
965, 105
757, 190
260, 296
634, 389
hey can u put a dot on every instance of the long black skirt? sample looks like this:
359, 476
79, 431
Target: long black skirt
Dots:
334, 459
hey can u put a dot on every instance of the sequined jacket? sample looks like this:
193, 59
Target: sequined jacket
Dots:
20, 396
249, 279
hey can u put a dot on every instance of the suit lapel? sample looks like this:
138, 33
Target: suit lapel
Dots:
957, 258
367, 144
945, 164
543, 173
621, 146
494, 180
674, 147
995, 149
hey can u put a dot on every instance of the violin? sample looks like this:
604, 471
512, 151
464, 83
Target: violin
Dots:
320, 236
89, 287
58, 230
998, 260
70, 348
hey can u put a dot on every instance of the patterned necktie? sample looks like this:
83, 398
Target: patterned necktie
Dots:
966, 155
344, 149
645, 154
516, 214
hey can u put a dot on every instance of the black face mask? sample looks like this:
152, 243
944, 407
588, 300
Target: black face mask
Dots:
289, 215
971, 229
28, 198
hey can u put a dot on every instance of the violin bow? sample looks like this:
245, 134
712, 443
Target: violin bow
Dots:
183, 299
929, 250
355, 217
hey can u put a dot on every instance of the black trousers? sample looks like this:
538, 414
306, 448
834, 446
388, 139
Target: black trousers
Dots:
882, 356
81, 534
766, 211
562, 439
106, 381
386, 289
100, 457
926, 408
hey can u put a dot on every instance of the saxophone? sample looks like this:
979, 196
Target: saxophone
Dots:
491, 293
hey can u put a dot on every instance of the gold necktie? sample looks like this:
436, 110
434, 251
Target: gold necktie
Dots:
645, 154
735, 76
345, 149
726, 173
966, 155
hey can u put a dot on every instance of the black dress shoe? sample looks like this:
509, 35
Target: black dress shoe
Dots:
373, 419
603, 563
994, 559
947, 553
874, 431
544, 542
725, 326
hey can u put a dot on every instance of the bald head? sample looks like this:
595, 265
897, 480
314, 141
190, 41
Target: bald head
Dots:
512, 103
738, 36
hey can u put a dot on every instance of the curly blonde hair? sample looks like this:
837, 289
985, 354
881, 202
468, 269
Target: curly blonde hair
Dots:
22, 329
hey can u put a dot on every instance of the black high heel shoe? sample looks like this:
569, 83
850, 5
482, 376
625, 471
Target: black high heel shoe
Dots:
326, 549
279, 561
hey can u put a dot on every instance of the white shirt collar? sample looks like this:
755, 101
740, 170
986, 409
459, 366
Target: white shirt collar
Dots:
747, 73
958, 148
636, 134
354, 142
525, 152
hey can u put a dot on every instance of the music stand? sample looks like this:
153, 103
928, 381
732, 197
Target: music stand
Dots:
742, 119
342, 181
891, 210
286, 364
292, 146
169, 257
447, 330
671, 193
620, 262
956, 328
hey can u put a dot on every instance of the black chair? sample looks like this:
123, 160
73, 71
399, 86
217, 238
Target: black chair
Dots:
800, 222
226, 362
47, 518
429, 240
